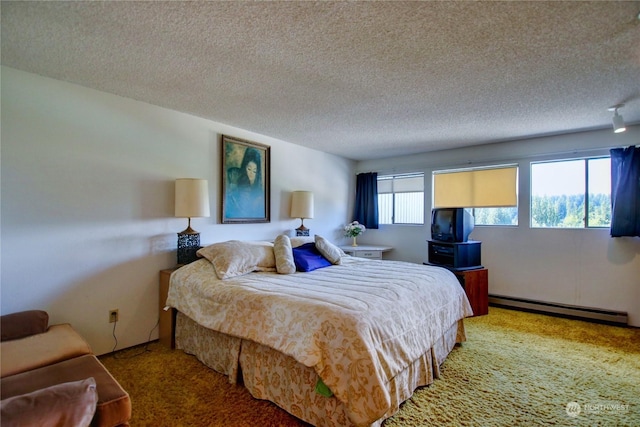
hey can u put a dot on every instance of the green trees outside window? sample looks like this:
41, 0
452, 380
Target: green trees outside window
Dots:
563, 192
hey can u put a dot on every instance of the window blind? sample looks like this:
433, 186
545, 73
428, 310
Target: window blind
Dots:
476, 188
400, 183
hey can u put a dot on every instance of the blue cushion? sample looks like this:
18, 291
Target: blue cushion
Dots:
308, 258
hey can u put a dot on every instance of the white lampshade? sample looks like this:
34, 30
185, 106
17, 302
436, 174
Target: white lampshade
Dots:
301, 204
192, 198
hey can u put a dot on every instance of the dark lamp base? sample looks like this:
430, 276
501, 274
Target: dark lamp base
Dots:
188, 245
302, 231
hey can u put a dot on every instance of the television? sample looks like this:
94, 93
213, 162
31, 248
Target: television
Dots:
451, 224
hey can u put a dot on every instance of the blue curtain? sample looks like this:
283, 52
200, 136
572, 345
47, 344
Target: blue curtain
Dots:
625, 192
366, 209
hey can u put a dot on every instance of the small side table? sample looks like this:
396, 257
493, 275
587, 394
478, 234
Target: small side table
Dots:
366, 251
166, 328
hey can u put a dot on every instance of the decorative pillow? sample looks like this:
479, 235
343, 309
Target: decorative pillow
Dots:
284, 255
302, 240
236, 258
308, 258
67, 404
329, 250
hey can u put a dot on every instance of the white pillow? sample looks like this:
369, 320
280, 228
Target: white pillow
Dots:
328, 250
236, 258
299, 241
284, 255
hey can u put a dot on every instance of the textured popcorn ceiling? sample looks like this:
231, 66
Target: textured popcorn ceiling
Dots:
359, 79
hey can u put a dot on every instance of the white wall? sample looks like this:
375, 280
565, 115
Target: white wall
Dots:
87, 201
578, 267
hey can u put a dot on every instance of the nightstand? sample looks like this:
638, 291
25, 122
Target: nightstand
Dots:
366, 251
476, 286
166, 328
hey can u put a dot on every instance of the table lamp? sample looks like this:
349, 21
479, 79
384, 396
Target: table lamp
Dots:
192, 200
302, 207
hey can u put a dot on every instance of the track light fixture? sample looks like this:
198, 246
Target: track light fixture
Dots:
618, 121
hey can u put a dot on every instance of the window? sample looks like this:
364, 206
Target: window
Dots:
496, 216
493, 188
401, 199
571, 193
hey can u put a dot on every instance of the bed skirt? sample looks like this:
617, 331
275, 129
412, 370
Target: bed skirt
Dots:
271, 375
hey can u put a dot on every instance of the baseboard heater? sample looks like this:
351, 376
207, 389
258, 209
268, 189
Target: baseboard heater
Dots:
586, 313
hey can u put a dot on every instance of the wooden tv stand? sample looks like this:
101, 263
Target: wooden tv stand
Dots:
476, 286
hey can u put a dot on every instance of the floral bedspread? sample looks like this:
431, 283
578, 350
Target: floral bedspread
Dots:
357, 324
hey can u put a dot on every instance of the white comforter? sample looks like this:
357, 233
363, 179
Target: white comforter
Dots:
357, 324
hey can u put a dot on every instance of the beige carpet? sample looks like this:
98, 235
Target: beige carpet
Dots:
516, 369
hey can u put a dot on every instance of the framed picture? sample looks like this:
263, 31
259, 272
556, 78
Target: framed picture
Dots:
245, 181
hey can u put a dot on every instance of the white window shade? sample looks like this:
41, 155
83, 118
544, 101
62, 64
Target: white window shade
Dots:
409, 184
401, 184
479, 188
385, 185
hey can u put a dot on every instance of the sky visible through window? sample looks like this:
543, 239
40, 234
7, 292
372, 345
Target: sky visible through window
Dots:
567, 178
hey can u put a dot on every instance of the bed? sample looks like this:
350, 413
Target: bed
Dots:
341, 345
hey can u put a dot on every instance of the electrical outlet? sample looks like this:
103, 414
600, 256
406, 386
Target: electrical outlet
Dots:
113, 315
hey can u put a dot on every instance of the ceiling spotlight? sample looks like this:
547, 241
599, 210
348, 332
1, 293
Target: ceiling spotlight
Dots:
618, 121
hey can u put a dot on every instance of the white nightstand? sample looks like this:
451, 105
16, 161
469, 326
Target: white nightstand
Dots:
366, 251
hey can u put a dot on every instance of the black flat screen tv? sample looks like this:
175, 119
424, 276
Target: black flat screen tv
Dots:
451, 224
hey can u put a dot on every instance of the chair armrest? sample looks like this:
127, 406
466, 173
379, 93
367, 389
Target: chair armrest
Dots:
60, 342
23, 324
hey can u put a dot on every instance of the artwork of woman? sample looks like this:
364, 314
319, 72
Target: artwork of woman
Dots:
245, 189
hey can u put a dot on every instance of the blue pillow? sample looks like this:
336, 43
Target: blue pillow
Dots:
308, 258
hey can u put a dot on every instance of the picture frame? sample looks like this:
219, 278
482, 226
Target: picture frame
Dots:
246, 181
